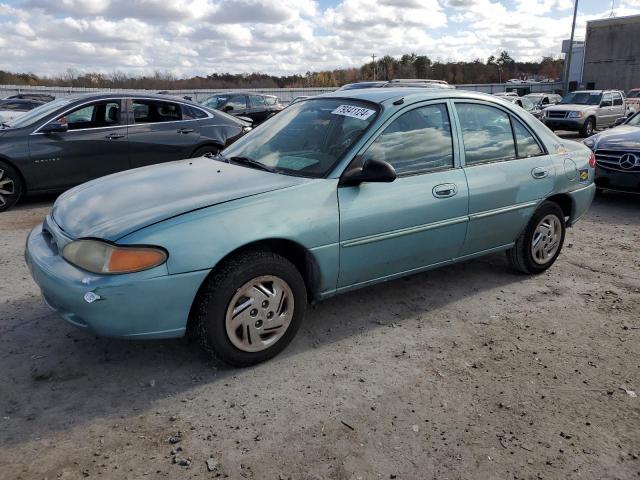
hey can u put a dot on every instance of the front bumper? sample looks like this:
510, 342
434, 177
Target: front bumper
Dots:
148, 304
614, 180
571, 124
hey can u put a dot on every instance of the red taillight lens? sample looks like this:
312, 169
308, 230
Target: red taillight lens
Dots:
592, 160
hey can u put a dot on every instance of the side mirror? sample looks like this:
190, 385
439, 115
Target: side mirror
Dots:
54, 127
372, 171
227, 108
620, 121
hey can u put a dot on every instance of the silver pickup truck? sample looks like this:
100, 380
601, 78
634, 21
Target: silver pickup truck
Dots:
586, 110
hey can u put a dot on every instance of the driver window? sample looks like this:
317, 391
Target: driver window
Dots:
96, 115
418, 141
238, 102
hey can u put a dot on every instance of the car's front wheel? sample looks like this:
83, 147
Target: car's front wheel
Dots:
250, 308
539, 245
10, 186
588, 128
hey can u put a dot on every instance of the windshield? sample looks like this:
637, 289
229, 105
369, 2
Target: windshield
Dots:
38, 113
534, 97
633, 94
582, 98
307, 138
526, 104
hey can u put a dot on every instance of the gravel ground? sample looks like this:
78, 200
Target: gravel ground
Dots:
469, 372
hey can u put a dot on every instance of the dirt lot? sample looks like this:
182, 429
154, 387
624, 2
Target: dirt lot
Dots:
467, 372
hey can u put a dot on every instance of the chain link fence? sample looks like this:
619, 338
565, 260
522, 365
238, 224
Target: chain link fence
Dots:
284, 94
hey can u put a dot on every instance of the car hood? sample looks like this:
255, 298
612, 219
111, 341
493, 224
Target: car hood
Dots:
574, 107
116, 205
622, 137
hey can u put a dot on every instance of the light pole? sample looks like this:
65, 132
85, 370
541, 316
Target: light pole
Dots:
567, 70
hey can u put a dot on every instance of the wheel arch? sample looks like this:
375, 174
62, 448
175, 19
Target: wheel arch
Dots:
293, 251
565, 202
218, 145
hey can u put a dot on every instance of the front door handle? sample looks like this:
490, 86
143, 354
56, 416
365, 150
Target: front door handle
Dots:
185, 130
114, 136
445, 190
539, 172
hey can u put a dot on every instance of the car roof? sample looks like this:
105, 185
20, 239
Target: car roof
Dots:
384, 95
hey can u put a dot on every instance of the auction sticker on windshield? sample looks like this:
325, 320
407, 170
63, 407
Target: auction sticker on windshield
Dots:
353, 111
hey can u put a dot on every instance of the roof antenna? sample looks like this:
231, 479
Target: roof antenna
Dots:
400, 101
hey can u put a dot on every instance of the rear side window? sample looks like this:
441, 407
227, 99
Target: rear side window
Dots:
154, 111
192, 113
416, 142
486, 132
256, 101
617, 99
525, 142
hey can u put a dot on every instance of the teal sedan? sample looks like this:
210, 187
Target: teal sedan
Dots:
336, 192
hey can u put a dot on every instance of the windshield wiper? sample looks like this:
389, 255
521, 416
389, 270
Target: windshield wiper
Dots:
251, 162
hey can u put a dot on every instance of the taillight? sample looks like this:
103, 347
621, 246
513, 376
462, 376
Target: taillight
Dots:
592, 160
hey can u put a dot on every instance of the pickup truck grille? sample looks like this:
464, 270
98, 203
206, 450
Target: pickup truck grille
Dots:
556, 114
610, 159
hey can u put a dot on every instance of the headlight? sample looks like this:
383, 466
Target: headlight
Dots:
576, 114
105, 258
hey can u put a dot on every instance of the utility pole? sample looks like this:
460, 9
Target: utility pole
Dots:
373, 58
567, 58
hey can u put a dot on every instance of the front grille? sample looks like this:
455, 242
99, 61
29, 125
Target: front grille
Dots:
610, 159
556, 114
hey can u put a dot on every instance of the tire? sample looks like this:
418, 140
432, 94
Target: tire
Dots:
10, 186
199, 152
215, 323
523, 256
588, 127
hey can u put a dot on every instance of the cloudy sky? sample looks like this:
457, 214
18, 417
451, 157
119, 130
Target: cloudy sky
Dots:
190, 37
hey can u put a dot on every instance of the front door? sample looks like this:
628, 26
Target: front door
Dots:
158, 133
507, 178
417, 220
94, 145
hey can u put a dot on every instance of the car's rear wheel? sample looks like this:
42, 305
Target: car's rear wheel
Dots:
250, 308
204, 150
10, 186
539, 245
588, 128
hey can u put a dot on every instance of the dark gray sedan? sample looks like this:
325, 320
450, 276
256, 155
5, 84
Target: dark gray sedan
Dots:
72, 140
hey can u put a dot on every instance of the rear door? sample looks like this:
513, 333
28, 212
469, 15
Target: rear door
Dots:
159, 131
508, 173
417, 220
94, 145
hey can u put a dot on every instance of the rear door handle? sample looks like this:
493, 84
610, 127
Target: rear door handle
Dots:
540, 172
445, 190
114, 136
185, 130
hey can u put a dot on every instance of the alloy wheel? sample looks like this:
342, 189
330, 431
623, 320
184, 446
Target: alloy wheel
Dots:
546, 239
7, 188
259, 313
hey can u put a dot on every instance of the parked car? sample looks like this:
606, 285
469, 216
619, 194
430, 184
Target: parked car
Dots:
334, 193
40, 97
618, 156
586, 110
256, 106
13, 108
522, 102
633, 100
167, 92
74, 139
543, 100
506, 94
359, 85
415, 82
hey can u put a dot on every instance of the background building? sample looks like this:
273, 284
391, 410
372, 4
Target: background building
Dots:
577, 62
612, 53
